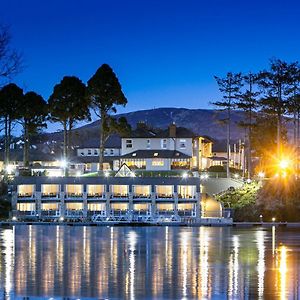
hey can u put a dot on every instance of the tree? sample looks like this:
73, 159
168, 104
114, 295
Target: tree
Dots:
67, 105
230, 88
34, 111
105, 93
247, 102
10, 59
11, 99
276, 85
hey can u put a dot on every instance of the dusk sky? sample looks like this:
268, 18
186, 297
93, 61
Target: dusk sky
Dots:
164, 53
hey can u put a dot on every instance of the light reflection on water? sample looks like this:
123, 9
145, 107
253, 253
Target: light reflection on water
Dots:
149, 262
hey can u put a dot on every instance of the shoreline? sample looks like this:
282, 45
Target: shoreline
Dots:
174, 224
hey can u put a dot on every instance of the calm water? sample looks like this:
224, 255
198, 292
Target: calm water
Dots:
45, 262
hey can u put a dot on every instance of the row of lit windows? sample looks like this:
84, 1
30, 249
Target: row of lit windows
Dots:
52, 190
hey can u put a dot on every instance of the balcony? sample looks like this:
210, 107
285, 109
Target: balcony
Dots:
50, 213
96, 196
25, 195
50, 195
30, 213
74, 213
119, 196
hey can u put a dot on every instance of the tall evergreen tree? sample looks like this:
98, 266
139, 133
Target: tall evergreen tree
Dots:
276, 86
230, 87
67, 105
105, 93
11, 99
247, 102
34, 111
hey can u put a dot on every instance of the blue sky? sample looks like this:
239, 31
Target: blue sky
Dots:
165, 53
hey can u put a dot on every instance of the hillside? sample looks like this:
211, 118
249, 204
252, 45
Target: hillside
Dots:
200, 121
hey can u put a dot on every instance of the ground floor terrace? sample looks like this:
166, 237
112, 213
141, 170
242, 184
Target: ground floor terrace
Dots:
103, 199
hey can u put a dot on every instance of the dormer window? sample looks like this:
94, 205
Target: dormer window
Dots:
148, 144
89, 151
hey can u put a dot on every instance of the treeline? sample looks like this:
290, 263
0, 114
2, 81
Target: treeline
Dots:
268, 99
71, 101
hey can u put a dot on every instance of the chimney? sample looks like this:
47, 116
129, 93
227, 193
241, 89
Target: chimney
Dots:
172, 130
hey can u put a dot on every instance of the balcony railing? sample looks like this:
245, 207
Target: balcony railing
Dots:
74, 195
164, 196
141, 196
119, 196
119, 212
49, 195
27, 213
74, 212
25, 195
185, 196
186, 213
50, 213
96, 212
97, 195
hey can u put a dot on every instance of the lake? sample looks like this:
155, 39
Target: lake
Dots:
76, 262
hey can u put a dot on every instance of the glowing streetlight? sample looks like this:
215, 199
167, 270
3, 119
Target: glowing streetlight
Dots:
63, 163
261, 174
184, 175
273, 219
9, 169
284, 163
236, 176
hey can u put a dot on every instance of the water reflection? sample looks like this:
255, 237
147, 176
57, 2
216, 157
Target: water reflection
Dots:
149, 262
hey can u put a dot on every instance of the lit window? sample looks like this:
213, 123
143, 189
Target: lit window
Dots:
128, 143
164, 144
133, 154
155, 154
158, 163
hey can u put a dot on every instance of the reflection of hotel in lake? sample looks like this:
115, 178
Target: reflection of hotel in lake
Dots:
115, 198
147, 262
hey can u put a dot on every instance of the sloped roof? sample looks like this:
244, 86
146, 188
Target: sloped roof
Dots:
140, 154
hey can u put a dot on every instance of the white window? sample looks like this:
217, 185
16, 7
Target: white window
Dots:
95, 152
89, 151
111, 151
163, 144
128, 143
182, 144
148, 144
